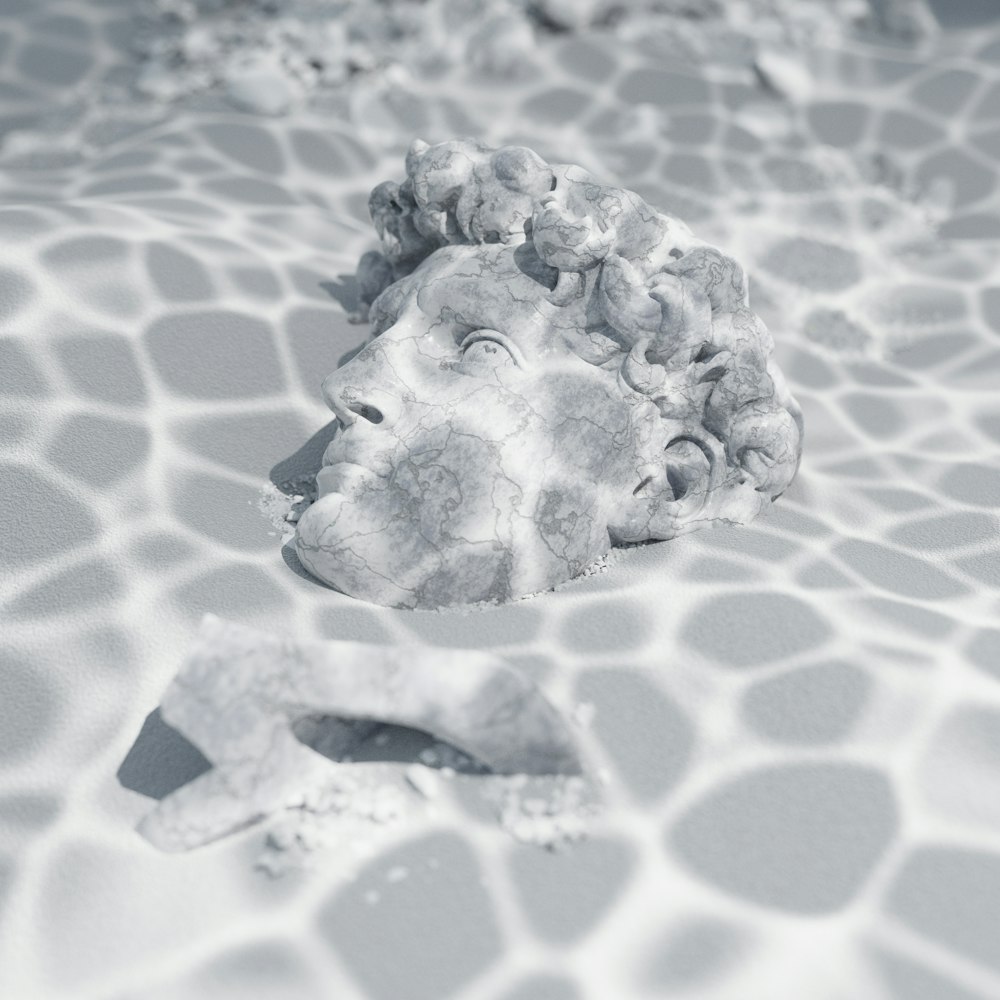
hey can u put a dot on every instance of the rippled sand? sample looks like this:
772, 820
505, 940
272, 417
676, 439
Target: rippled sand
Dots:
799, 720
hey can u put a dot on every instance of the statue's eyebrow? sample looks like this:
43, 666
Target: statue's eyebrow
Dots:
447, 318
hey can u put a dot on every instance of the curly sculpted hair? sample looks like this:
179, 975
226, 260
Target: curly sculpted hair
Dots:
720, 432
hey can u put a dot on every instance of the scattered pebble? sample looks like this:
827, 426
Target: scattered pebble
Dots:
397, 874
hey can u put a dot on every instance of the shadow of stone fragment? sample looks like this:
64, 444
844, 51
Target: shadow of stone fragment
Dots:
369, 741
161, 760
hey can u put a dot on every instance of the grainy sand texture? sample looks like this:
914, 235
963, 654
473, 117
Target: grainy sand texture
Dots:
797, 723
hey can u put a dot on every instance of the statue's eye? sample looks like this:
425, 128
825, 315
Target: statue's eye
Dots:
487, 347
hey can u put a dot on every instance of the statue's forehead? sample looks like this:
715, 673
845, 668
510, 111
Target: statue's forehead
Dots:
485, 283
498, 263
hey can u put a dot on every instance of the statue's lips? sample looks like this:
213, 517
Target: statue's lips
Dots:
346, 478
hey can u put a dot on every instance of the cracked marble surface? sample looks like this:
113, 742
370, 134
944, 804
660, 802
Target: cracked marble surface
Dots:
556, 367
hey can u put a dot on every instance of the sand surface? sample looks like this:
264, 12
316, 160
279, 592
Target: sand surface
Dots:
797, 721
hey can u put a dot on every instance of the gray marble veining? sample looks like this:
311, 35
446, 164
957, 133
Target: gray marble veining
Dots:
555, 368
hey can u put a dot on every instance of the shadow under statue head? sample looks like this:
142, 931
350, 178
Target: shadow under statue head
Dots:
555, 368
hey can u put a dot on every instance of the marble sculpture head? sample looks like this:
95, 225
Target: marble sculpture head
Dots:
555, 368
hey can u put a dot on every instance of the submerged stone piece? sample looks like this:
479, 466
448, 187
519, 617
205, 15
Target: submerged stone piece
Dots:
555, 368
241, 692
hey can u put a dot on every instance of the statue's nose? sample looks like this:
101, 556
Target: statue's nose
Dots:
354, 393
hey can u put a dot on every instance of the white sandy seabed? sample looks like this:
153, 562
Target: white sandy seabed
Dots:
795, 724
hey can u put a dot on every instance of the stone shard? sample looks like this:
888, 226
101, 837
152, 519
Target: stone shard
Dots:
241, 692
556, 368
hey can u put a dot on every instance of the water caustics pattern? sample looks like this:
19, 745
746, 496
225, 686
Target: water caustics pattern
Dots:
798, 720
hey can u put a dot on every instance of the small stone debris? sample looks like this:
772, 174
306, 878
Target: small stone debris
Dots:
423, 781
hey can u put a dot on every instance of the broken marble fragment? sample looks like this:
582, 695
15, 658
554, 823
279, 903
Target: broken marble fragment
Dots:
241, 693
555, 368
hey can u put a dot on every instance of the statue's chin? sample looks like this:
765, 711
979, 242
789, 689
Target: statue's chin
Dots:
371, 565
328, 559
398, 567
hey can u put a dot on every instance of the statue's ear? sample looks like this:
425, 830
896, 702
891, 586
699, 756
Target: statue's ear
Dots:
675, 491
681, 463
689, 476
